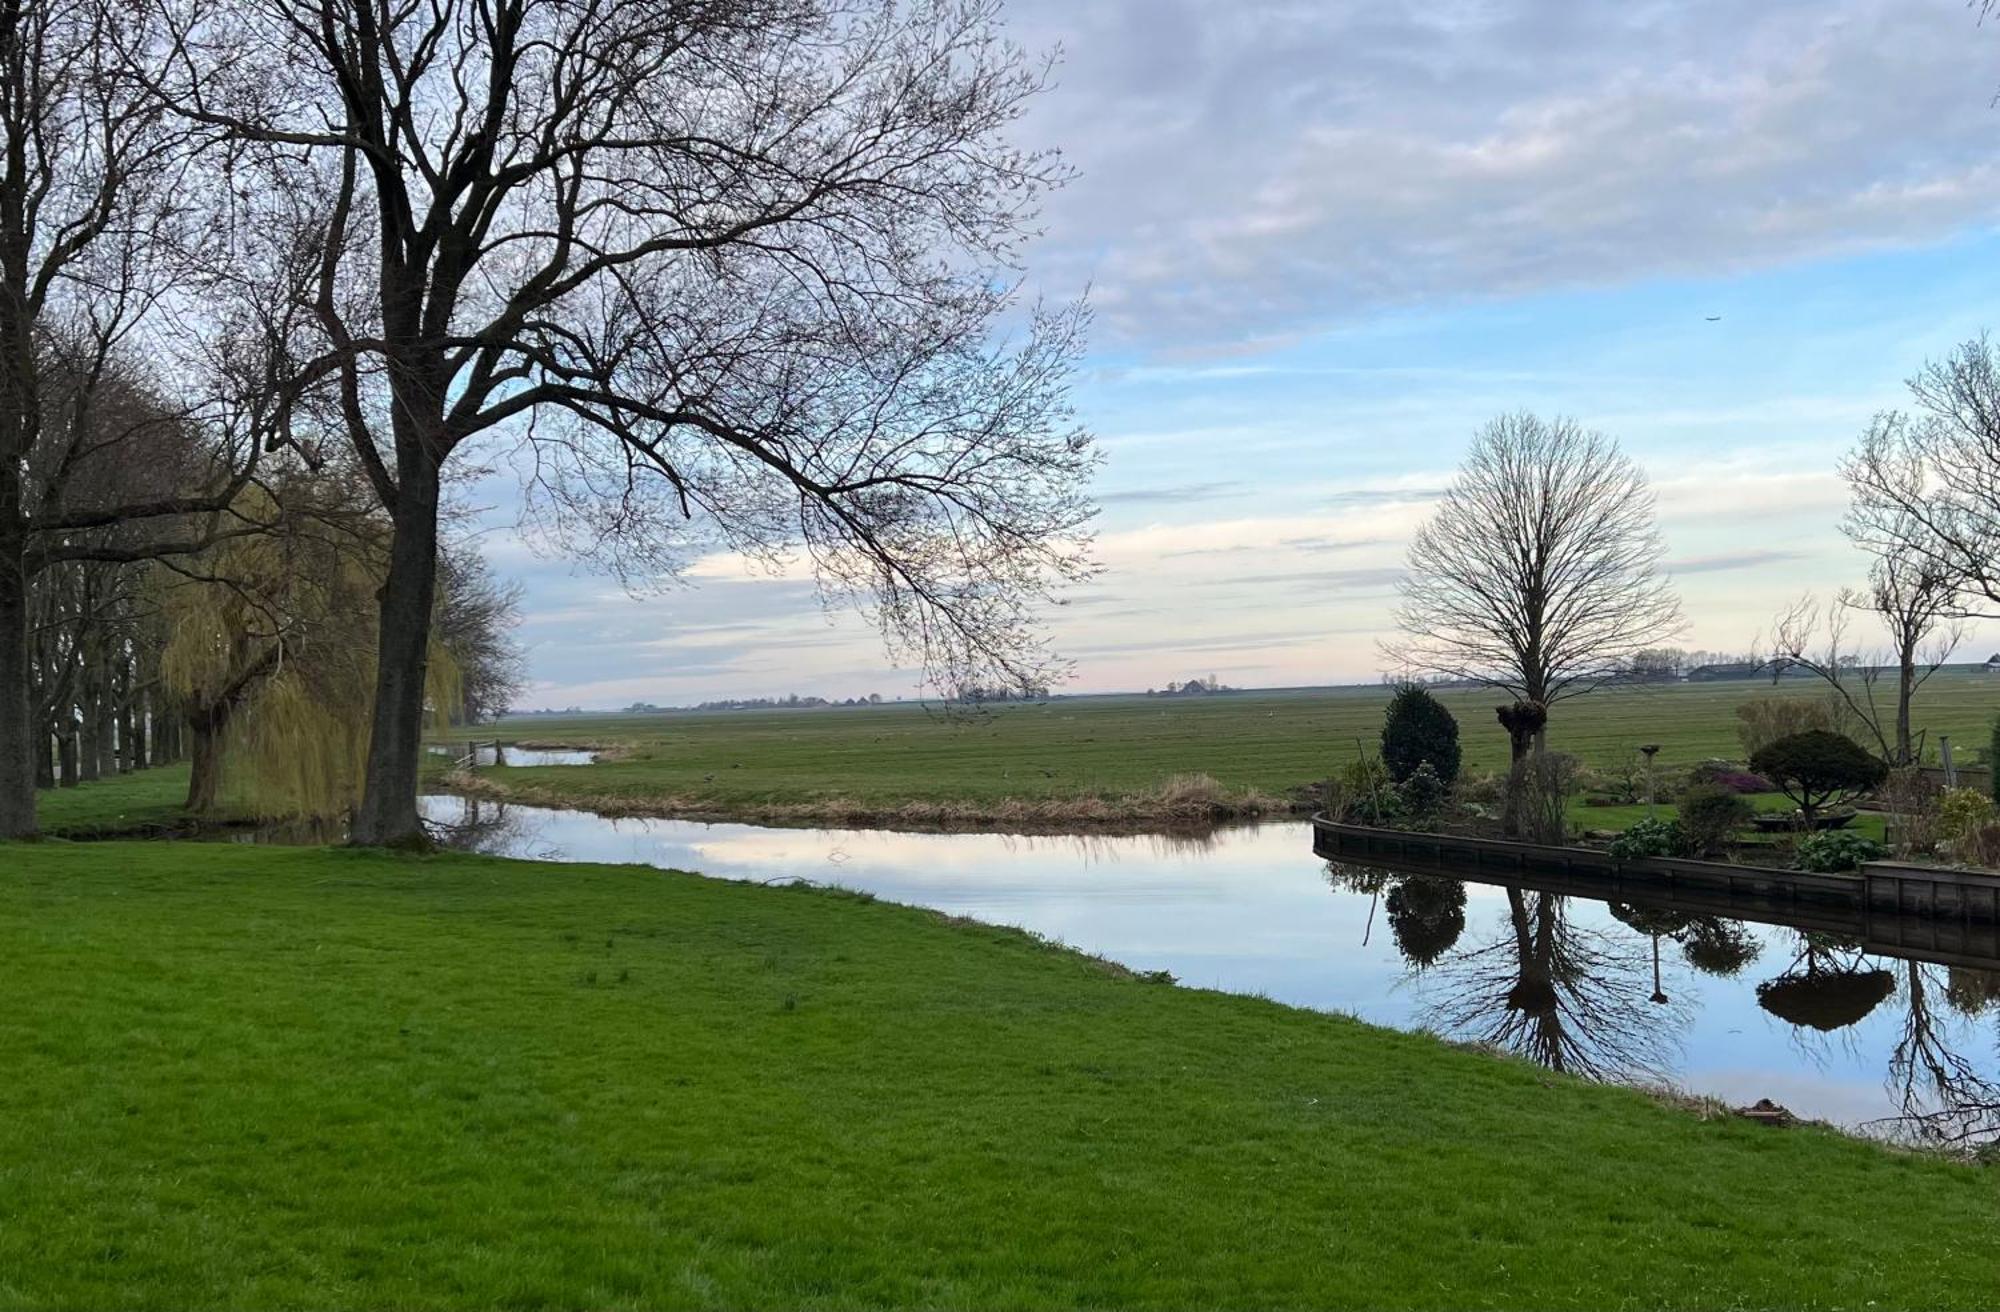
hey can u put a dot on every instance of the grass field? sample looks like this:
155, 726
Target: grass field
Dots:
317, 1078
907, 762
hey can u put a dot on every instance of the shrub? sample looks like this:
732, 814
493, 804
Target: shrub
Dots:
1981, 847
1911, 798
1653, 836
1483, 789
1962, 813
1363, 794
1762, 721
1835, 850
1818, 767
1419, 729
1538, 793
1423, 793
1730, 775
1710, 814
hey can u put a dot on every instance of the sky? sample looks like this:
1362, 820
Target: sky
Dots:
1325, 242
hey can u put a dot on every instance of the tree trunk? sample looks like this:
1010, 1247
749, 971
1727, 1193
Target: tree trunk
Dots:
139, 756
66, 755
125, 717
1906, 688
205, 775
45, 759
17, 725
388, 812
89, 750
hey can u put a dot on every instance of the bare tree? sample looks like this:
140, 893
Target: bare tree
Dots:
1916, 603
1927, 482
1539, 572
1914, 592
476, 615
102, 219
732, 265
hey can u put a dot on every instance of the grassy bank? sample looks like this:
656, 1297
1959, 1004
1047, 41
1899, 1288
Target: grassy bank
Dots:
1084, 759
322, 1078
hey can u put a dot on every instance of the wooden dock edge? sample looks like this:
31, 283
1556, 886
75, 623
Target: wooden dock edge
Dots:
1894, 887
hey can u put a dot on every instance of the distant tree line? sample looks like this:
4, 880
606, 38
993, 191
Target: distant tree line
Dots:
789, 702
1191, 688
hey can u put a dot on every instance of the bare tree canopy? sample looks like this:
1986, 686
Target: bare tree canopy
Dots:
1927, 481
105, 218
1539, 572
737, 265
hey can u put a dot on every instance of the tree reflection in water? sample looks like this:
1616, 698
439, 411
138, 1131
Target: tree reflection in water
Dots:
1426, 916
1943, 1097
490, 829
1568, 996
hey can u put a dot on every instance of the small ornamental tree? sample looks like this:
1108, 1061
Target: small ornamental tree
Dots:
1818, 768
1418, 729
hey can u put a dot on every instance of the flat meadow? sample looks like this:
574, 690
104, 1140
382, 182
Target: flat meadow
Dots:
1110, 756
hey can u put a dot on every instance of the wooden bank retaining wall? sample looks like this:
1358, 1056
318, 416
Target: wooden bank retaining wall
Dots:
1879, 889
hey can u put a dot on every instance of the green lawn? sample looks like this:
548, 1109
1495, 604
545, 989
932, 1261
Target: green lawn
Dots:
317, 1078
147, 800
839, 763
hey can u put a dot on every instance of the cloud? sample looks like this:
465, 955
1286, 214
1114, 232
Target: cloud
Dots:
1172, 496
1720, 563
1255, 170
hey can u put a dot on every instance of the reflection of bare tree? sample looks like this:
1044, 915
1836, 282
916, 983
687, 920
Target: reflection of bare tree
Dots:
1562, 994
488, 828
1943, 1098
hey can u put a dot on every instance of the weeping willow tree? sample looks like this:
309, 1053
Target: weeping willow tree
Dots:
271, 651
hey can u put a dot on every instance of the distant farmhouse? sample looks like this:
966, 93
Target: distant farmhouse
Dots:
1731, 670
1992, 665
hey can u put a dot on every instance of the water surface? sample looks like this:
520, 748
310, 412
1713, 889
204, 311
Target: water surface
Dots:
1832, 1026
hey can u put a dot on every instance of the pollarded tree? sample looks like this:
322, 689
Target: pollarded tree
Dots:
1417, 729
728, 272
1819, 768
1539, 573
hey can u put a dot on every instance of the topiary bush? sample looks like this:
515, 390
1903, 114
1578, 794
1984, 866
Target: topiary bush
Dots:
1835, 850
1710, 815
1417, 729
1817, 768
1653, 836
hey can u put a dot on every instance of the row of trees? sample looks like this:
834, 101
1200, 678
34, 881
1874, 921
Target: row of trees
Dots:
715, 275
